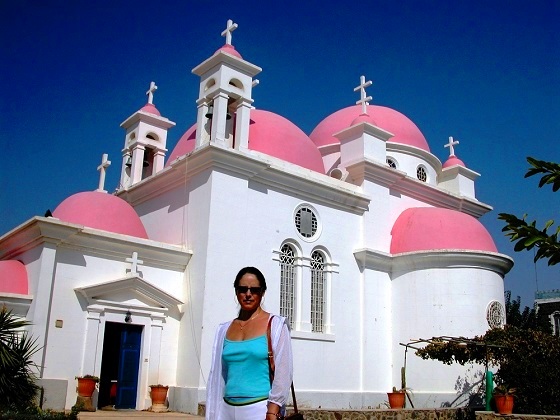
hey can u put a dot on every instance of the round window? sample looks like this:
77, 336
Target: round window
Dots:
495, 314
306, 222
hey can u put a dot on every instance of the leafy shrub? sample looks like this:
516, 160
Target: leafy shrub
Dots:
527, 360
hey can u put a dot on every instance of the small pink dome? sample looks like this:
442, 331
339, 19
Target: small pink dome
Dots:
428, 228
102, 211
151, 108
452, 161
230, 49
404, 130
363, 118
271, 134
13, 277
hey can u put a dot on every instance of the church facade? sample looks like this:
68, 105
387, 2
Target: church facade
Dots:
366, 239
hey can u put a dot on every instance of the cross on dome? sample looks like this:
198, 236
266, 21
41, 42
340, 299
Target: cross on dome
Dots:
135, 263
105, 163
150, 92
229, 29
450, 144
364, 100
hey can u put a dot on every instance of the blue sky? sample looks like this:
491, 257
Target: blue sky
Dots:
484, 72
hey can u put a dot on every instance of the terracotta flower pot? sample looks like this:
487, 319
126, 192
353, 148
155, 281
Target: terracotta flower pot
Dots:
504, 404
158, 394
86, 386
396, 399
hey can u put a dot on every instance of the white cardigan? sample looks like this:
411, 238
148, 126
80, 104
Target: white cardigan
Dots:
282, 349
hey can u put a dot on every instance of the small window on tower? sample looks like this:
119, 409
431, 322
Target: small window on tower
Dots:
421, 173
392, 163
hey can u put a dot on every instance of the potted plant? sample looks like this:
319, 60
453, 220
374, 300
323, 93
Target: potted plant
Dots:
397, 397
158, 394
86, 385
503, 397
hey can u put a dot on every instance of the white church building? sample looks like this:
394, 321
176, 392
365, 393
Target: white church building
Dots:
366, 238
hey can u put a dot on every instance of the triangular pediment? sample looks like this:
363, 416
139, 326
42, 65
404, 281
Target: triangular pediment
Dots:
131, 291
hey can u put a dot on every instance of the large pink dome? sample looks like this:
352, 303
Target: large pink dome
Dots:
404, 130
271, 134
13, 277
428, 228
102, 211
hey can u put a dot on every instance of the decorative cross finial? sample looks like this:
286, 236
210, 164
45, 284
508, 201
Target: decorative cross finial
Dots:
364, 100
150, 92
450, 144
135, 263
229, 29
102, 169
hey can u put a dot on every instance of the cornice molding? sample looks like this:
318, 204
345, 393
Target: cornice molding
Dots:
254, 166
443, 258
41, 230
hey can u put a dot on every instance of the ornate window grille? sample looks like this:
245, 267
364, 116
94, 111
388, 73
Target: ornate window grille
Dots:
318, 277
287, 282
306, 222
421, 174
495, 314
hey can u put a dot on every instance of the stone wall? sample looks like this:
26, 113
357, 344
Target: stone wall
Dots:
410, 414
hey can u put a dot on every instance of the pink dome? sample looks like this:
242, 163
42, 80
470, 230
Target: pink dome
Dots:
452, 161
185, 145
13, 277
404, 130
271, 134
102, 211
230, 49
151, 108
428, 228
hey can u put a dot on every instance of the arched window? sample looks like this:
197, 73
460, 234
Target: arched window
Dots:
318, 288
287, 282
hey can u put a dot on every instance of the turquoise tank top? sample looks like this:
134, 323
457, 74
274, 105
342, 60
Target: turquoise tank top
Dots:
246, 367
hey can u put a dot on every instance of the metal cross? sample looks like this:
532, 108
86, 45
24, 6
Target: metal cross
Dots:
150, 92
450, 144
364, 100
229, 29
102, 169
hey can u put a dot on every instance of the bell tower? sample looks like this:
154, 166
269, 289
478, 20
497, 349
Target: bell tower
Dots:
224, 99
145, 141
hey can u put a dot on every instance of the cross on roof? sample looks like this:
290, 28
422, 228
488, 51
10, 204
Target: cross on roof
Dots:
105, 163
450, 144
135, 263
364, 100
150, 92
229, 29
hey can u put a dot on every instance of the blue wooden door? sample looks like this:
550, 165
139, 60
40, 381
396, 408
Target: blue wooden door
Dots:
129, 362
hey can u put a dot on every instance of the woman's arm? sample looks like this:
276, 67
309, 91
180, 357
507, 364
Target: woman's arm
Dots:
282, 349
215, 384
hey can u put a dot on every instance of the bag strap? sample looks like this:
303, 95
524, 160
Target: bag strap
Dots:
271, 365
270, 353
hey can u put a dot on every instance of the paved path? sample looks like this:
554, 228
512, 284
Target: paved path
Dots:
141, 415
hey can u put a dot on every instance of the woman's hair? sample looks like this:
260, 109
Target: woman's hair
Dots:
254, 271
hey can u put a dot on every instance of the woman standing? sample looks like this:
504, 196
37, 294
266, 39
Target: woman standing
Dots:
239, 383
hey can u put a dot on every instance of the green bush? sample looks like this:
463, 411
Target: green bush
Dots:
527, 360
36, 413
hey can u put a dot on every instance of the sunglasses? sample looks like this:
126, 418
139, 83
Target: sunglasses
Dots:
244, 289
